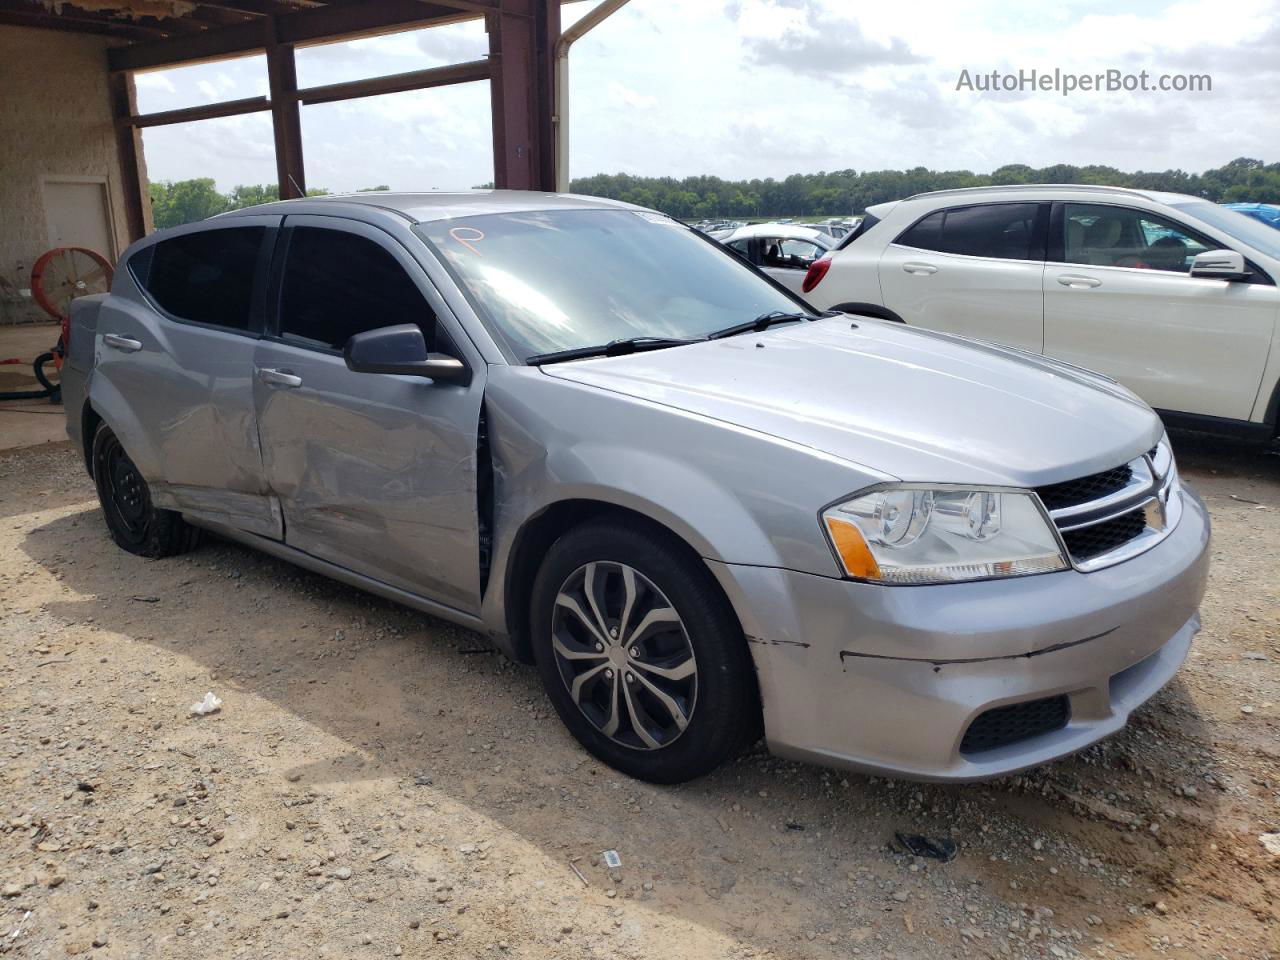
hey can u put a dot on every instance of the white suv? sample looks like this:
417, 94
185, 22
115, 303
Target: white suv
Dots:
1173, 296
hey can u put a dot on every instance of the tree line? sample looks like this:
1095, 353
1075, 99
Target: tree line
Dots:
174, 202
847, 192
834, 193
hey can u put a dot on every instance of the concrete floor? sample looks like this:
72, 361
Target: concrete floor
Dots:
27, 423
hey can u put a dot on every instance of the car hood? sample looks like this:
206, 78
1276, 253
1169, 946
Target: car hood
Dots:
913, 404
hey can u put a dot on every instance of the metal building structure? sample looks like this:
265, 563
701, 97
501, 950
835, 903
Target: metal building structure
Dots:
155, 34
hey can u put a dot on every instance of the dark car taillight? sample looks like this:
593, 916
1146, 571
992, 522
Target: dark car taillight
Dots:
817, 270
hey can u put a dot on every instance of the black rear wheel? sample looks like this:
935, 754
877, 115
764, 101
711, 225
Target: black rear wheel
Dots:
134, 523
640, 653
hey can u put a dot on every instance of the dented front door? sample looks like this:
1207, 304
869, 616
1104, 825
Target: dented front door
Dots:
374, 472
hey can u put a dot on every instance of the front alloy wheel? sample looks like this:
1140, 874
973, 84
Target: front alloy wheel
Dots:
624, 655
640, 652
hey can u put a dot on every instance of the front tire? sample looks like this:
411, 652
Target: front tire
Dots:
641, 654
134, 523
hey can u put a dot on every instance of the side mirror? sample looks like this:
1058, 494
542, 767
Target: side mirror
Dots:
1219, 265
401, 349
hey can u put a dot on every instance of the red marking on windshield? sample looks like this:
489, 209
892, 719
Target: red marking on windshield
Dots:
465, 236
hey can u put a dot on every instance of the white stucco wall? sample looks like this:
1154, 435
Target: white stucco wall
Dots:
55, 121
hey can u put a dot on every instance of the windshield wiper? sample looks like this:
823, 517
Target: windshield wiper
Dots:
621, 347
614, 348
762, 322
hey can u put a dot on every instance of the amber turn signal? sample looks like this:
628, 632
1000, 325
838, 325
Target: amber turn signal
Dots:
853, 550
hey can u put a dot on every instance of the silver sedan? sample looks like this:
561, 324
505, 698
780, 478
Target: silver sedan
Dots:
595, 436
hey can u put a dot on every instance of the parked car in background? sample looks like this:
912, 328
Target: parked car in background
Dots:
836, 229
1268, 213
592, 434
784, 251
714, 226
1173, 296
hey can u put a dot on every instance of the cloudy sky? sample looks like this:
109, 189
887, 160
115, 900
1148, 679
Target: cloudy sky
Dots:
756, 88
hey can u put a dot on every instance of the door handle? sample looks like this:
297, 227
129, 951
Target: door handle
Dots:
919, 269
279, 378
1077, 282
117, 342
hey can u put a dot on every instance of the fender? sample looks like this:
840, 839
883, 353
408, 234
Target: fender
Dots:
650, 483
532, 513
562, 451
1271, 416
869, 310
109, 405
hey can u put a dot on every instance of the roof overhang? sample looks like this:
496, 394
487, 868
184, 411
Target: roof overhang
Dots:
166, 33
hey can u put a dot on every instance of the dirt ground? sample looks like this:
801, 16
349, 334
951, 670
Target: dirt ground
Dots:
380, 784
27, 421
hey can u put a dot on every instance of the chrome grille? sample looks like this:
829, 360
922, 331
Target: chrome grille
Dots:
1085, 543
1071, 493
1116, 514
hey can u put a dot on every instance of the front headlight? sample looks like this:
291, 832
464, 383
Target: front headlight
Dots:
917, 534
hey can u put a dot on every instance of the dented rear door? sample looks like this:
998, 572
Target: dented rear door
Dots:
173, 357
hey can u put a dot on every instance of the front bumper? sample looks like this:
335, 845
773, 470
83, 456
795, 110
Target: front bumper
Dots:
888, 679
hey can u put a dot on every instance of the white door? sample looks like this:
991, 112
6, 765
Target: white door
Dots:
974, 270
77, 215
1121, 301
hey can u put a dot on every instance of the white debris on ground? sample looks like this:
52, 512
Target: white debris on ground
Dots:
210, 704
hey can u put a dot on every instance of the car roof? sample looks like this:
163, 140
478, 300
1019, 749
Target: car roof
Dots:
438, 204
791, 231
1082, 189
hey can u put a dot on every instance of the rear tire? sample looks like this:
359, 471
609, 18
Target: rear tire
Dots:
641, 654
134, 523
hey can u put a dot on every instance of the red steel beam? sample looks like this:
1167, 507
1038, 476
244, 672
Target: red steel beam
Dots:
284, 90
397, 82
133, 174
286, 124
203, 111
522, 38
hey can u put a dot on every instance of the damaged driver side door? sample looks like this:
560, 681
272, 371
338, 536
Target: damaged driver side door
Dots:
375, 472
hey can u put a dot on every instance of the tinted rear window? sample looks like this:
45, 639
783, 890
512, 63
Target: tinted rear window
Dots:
204, 277
926, 234
1003, 230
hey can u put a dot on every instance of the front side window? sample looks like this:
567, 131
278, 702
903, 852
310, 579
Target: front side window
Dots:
1006, 231
337, 284
790, 252
552, 280
203, 277
1107, 236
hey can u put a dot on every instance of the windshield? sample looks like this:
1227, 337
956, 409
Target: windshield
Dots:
1256, 234
554, 280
